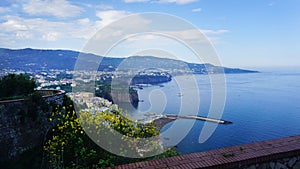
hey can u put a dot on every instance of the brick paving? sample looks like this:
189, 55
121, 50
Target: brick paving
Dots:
227, 158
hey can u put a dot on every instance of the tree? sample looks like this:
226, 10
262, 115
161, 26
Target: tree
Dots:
13, 85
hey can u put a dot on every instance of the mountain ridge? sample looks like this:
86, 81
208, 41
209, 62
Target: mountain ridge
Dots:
29, 59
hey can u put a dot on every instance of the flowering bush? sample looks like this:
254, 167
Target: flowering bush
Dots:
69, 145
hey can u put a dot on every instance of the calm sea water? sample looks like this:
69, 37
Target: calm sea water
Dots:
262, 106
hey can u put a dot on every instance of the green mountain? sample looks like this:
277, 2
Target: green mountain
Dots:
37, 60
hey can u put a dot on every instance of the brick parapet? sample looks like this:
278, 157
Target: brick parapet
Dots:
266, 154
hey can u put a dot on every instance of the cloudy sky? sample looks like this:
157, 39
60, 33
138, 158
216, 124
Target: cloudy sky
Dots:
248, 33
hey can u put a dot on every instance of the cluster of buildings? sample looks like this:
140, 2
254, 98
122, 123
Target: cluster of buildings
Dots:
50, 79
88, 102
53, 78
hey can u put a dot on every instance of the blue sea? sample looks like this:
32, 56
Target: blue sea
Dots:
262, 106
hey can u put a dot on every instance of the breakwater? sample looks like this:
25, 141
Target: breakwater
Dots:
168, 118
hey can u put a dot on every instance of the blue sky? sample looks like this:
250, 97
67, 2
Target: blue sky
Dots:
245, 33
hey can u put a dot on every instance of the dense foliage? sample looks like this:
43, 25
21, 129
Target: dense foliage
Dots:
13, 86
68, 145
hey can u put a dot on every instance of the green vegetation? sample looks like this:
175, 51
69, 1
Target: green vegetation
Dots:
16, 86
68, 146
228, 155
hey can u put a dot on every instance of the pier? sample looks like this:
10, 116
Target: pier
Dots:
168, 118
199, 118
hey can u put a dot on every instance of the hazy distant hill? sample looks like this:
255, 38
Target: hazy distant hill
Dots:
36, 59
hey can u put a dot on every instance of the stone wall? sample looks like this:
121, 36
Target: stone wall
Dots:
19, 133
283, 163
53, 95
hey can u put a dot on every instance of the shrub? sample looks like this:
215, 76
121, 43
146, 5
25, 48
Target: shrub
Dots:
68, 146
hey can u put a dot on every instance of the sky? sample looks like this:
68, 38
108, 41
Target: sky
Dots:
244, 33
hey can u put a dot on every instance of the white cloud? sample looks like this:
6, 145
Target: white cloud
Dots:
117, 37
104, 7
57, 8
180, 2
50, 36
3, 10
24, 35
121, 27
84, 21
195, 35
197, 10
6, 41
109, 16
13, 25
21, 28
132, 1
99, 7
17, 28
213, 32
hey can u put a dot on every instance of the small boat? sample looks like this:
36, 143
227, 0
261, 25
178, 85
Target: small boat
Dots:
179, 94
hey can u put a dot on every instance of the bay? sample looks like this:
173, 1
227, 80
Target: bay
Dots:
262, 106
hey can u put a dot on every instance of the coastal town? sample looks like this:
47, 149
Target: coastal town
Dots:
66, 79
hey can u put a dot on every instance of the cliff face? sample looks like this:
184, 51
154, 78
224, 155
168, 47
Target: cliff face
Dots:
124, 97
146, 79
119, 95
23, 125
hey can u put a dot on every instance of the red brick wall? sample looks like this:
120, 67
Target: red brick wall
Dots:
277, 153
